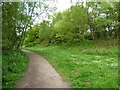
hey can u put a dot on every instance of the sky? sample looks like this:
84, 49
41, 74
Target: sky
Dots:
61, 5
65, 4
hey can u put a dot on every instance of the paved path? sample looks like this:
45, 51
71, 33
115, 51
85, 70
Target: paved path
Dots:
41, 74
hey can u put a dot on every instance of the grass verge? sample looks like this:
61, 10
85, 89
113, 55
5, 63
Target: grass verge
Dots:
87, 65
14, 63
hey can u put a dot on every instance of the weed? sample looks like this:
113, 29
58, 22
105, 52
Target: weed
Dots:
14, 63
88, 65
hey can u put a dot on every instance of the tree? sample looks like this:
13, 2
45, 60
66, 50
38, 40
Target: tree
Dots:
9, 24
18, 17
98, 20
102, 19
72, 24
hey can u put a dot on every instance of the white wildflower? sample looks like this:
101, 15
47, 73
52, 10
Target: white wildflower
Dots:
96, 61
114, 64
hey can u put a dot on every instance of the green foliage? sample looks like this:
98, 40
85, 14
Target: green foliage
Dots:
91, 64
32, 36
18, 17
14, 63
38, 34
66, 27
78, 23
103, 19
72, 24
14, 24
9, 34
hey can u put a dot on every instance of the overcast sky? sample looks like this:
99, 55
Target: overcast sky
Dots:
65, 4
61, 6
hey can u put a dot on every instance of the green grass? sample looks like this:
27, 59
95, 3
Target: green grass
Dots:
87, 65
14, 63
0, 70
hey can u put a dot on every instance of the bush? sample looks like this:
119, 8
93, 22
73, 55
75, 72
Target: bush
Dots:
14, 63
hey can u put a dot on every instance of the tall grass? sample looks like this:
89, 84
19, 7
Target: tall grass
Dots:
89, 64
14, 63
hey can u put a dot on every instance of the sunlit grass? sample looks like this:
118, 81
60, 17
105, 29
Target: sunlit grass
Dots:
86, 66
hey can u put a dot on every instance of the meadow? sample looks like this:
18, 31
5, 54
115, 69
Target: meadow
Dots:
89, 64
80, 42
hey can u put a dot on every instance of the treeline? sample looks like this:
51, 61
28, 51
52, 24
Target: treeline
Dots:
96, 20
17, 18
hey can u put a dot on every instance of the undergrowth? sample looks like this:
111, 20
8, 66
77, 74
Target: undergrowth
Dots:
14, 63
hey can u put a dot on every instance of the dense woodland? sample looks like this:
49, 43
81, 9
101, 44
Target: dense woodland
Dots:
96, 20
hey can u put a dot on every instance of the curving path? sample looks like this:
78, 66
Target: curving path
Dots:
40, 74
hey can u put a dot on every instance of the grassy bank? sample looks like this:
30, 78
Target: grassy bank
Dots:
87, 65
14, 63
